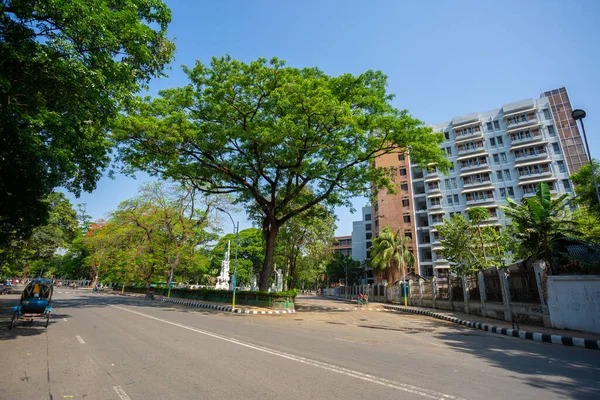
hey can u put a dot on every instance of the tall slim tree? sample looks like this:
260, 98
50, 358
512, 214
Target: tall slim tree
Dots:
66, 67
280, 140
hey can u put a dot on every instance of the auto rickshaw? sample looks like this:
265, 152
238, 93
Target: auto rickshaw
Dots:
35, 302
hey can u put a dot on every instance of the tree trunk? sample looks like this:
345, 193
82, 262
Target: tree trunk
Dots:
270, 231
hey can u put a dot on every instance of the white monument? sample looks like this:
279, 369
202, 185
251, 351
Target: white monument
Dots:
279, 286
253, 280
223, 278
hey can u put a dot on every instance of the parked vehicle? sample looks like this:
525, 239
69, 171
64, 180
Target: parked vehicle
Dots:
35, 302
4, 289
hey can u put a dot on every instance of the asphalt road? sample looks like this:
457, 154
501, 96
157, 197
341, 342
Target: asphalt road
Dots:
110, 347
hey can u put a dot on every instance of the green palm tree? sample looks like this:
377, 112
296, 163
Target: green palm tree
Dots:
390, 252
538, 222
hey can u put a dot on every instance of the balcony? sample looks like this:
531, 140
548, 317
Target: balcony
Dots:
435, 206
475, 172
477, 182
474, 166
531, 120
432, 189
431, 178
437, 222
535, 174
481, 199
479, 148
529, 138
530, 155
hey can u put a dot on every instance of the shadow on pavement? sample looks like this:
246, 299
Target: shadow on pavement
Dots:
570, 372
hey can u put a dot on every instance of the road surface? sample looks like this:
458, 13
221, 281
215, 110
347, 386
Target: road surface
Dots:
100, 346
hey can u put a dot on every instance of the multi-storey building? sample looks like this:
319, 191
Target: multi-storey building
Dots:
362, 234
495, 154
343, 245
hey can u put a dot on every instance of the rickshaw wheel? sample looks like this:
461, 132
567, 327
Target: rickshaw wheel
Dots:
12, 321
47, 321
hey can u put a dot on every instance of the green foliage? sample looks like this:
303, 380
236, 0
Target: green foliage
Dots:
280, 140
390, 253
337, 267
66, 67
538, 222
584, 187
251, 251
588, 224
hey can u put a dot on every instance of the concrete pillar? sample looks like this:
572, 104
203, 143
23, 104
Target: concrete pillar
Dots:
502, 274
420, 292
409, 293
540, 268
482, 294
433, 291
465, 285
450, 296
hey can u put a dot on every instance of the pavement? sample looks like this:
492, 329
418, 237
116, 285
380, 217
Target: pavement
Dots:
118, 347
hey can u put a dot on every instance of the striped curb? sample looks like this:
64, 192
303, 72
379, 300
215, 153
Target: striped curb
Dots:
355, 308
536, 336
223, 308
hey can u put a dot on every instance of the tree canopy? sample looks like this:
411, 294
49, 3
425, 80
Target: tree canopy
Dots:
584, 187
279, 139
65, 70
390, 254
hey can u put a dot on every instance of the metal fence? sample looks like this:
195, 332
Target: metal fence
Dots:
493, 290
474, 288
523, 286
441, 292
457, 289
427, 290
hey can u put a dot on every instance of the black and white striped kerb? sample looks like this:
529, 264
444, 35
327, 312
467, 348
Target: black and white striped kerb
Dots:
222, 308
536, 336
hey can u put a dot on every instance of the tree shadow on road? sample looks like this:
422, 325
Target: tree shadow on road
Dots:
570, 372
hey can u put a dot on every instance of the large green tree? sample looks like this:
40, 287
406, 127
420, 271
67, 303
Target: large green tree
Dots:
586, 195
66, 67
538, 222
280, 140
251, 252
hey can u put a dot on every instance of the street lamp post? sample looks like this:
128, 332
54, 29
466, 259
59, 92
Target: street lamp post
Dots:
579, 115
401, 258
236, 229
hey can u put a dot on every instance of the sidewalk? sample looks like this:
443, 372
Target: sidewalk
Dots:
587, 340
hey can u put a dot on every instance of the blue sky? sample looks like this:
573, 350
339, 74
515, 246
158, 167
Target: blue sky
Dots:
443, 58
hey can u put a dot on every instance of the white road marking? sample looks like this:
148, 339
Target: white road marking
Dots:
352, 341
64, 319
121, 393
80, 339
329, 367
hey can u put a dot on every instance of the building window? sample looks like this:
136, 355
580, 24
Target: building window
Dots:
556, 148
499, 176
404, 186
496, 158
453, 183
447, 135
402, 171
369, 235
401, 157
567, 184
376, 222
449, 151
367, 217
447, 182
507, 174
492, 141
502, 192
407, 218
511, 192
503, 157
408, 234
451, 168
546, 113
551, 130
496, 125
489, 126
561, 166
456, 201
449, 198
405, 203
499, 140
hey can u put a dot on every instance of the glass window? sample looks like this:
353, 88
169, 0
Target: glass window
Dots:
367, 217
404, 186
402, 171
405, 203
502, 192
503, 157
449, 151
507, 174
566, 184
556, 148
447, 135
561, 166
449, 198
456, 201
499, 140
546, 113
489, 126
499, 176
451, 168
368, 227
496, 159
447, 182
511, 192
496, 125
407, 218
454, 183
551, 130
492, 142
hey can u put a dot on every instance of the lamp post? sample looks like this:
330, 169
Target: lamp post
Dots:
401, 258
236, 230
579, 115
